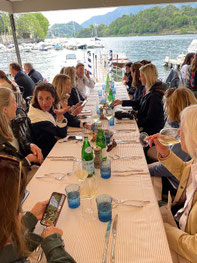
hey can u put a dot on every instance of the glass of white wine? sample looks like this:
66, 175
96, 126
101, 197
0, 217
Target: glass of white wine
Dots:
78, 171
88, 190
169, 136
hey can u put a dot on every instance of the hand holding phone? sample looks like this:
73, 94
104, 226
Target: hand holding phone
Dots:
53, 209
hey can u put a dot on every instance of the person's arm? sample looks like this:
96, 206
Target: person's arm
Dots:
53, 248
73, 121
174, 164
182, 243
89, 82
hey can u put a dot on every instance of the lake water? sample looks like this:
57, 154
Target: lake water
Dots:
153, 48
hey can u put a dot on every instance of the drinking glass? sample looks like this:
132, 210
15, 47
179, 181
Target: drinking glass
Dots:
142, 139
169, 136
78, 171
88, 191
104, 206
73, 195
105, 169
109, 114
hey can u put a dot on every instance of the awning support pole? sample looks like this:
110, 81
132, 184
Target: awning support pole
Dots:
12, 22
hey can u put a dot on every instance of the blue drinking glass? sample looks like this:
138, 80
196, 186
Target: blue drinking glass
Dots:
104, 207
73, 195
105, 169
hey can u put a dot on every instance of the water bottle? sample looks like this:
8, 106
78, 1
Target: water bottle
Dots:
101, 142
87, 157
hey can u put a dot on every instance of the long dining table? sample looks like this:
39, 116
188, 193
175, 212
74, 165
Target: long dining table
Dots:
140, 236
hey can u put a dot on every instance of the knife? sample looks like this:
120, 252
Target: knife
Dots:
106, 242
114, 232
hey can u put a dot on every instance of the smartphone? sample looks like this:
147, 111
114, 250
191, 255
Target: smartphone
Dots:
75, 137
84, 102
53, 209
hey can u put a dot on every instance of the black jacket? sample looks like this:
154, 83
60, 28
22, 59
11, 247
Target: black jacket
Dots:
75, 97
35, 76
150, 109
44, 132
8, 149
73, 121
21, 127
25, 84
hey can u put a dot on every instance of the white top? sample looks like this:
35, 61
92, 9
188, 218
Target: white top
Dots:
184, 73
81, 84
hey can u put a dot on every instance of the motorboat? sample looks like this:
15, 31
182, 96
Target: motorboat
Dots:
192, 47
70, 60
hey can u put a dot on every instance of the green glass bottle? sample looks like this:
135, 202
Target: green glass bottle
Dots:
110, 96
87, 157
101, 141
107, 87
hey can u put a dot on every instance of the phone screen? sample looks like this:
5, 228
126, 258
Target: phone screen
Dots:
53, 209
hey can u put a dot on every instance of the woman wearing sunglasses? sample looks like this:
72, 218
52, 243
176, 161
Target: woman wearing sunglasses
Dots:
9, 144
183, 240
17, 239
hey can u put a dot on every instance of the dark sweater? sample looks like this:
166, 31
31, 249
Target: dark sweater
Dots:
150, 109
35, 76
25, 84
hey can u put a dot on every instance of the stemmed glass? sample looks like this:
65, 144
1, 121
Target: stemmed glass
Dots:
88, 188
109, 114
88, 191
169, 136
78, 171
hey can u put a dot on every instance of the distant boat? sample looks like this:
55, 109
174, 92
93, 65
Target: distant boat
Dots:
43, 48
174, 63
83, 46
58, 47
71, 60
192, 47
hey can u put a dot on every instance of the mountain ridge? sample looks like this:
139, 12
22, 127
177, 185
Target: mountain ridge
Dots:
108, 18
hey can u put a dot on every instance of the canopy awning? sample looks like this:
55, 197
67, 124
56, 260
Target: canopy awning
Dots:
22, 6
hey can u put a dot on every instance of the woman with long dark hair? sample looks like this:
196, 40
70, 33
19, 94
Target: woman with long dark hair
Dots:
17, 240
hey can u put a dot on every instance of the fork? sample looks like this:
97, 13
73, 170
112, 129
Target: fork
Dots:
59, 178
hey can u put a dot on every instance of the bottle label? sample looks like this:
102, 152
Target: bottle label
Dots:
88, 149
89, 166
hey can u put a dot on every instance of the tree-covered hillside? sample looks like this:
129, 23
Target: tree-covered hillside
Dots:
156, 20
64, 30
33, 25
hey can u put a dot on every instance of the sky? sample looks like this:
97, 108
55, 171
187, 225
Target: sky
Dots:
77, 15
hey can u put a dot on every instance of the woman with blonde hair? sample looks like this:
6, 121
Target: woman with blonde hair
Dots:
75, 95
17, 240
183, 240
16, 145
175, 100
5, 82
150, 116
62, 86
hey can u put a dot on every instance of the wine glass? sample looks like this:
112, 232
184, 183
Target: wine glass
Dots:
142, 139
78, 170
88, 191
109, 114
169, 136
